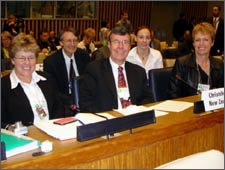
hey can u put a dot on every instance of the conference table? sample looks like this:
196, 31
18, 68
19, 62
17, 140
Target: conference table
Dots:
173, 136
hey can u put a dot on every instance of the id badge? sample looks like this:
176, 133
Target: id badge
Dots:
203, 87
123, 93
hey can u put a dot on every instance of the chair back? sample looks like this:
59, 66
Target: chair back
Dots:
158, 82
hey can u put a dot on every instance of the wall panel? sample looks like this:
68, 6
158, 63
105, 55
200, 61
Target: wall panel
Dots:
139, 14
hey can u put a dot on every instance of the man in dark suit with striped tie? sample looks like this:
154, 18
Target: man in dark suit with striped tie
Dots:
113, 83
65, 65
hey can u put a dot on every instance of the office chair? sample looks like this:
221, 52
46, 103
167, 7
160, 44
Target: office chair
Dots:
158, 82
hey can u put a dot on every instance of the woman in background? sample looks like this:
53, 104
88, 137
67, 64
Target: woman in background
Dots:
142, 54
198, 71
27, 96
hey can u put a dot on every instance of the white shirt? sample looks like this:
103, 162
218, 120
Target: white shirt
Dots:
121, 92
67, 60
154, 59
33, 93
82, 46
217, 21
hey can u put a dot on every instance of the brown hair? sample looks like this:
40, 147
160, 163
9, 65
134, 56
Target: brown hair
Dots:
143, 27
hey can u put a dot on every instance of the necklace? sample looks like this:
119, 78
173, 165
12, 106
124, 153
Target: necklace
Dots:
143, 56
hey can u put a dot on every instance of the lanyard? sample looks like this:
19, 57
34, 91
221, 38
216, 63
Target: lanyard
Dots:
200, 78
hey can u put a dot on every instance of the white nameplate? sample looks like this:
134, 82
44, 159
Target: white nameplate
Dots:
213, 99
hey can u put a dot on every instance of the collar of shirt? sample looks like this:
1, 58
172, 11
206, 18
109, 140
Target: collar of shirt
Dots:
115, 71
15, 80
115, 66
67, 61
216, 18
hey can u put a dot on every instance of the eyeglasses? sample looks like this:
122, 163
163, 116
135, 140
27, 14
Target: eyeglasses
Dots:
71, 41
117, 42
23, 59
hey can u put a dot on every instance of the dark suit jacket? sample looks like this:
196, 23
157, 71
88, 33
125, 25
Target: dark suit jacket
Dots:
55, 65
219, 39
15, 105
98, 90
102, 52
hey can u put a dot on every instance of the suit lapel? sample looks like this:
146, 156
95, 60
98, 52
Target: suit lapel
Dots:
62, 69
108, 76
130, 78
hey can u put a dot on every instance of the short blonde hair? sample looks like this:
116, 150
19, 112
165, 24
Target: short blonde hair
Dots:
23, 42
205, 28
89, 32
6, 34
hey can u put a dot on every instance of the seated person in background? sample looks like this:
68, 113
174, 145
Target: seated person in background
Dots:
27, 95
102, 33
30, 32
58, 65
6, 39
186, 46
53, 39
199, 70
102, 52
155, 43
44, 43
87, 42
124, 21
12, 25
104, 89
142, 54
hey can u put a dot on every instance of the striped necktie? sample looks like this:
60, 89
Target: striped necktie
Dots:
121, 79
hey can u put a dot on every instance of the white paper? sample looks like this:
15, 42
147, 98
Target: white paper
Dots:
172, 106
61, 132
69, 131
87, 118
213, 99
132, 109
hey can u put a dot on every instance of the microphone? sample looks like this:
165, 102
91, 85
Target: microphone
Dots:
183, 81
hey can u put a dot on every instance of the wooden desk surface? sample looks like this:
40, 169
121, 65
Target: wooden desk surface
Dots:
172, 136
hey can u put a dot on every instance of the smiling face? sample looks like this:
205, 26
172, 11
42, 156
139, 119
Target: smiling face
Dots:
203, 36
202, 43
69, 42
119, 46
143, 38
24, 64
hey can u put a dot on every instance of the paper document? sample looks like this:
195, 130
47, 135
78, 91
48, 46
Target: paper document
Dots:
87, 118
172, 106
16, 144
61, 132
132, 109
69, 131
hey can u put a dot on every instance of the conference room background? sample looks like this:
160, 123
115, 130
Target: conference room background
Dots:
55, 15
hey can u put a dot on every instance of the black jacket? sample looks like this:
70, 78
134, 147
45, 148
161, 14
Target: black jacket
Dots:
98, 89
186, 68
15, 105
